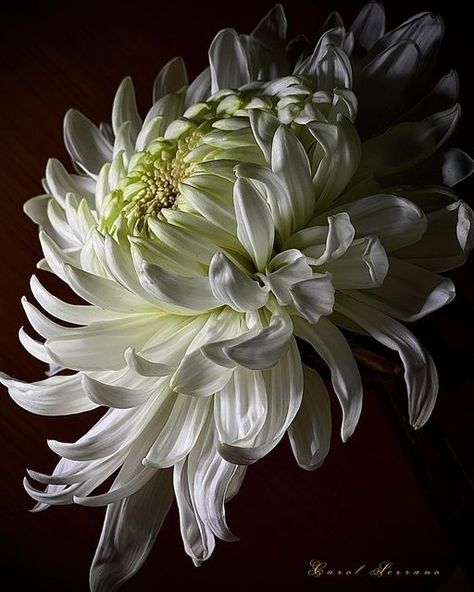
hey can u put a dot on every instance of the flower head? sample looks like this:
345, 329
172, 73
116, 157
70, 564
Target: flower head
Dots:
267, 203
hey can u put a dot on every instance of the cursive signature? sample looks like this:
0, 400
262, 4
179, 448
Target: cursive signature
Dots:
384, 569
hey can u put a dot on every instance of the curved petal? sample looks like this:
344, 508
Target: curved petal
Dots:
310, 432
186, 294
364, 265
114, 396
408, 292
87, 146
284, 386
332, 346
228, 61
314, 297
233, 287
421, 377
129, 531
57, 395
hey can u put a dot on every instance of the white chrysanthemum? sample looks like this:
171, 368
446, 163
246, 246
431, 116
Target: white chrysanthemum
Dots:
261, 203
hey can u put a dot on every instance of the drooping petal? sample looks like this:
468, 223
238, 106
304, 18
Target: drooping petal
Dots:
421, 377
332, 346
310, 432
186, 295
130, 529
57, 395
114, 396
284, 386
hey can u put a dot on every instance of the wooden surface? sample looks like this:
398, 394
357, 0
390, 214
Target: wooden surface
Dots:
372, 500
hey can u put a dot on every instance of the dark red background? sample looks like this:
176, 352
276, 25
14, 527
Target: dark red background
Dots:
370, 501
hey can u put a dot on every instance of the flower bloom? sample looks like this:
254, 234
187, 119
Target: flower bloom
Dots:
269, 202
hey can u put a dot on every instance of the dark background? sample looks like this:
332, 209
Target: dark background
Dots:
388, 494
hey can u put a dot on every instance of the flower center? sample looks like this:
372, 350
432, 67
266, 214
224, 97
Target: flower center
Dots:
150, 185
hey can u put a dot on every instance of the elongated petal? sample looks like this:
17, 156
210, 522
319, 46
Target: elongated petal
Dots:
255, 350
125, 109
228, 61
421, 377
171, 79
332, 346
310, 432
284, 386
396, 221
408, 292
369, 25
364, 265
101, 346
145, 367
57, 395
255, 228
314, 297
114, 396
290, 163
130, 529
233, 287
86, 145
447, 241
190, 294
180, 432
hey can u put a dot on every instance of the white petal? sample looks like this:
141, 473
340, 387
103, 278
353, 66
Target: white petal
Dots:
103, 292
325, 243
199, 89
255, 228
284, 386
146, 367
197, 537
233, 287
275, 193
290, 163
59, 183
86, 145
129, 531
310, 432
256, 349
57, 395
125, 109
421, 377
101, 346
184, 294
314, 297
240, 408
180, 432
171, 79
447, 242
228, 61
364, 265
264, 126
284, 270
332, 346
112, 395
408, 292
396, 221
